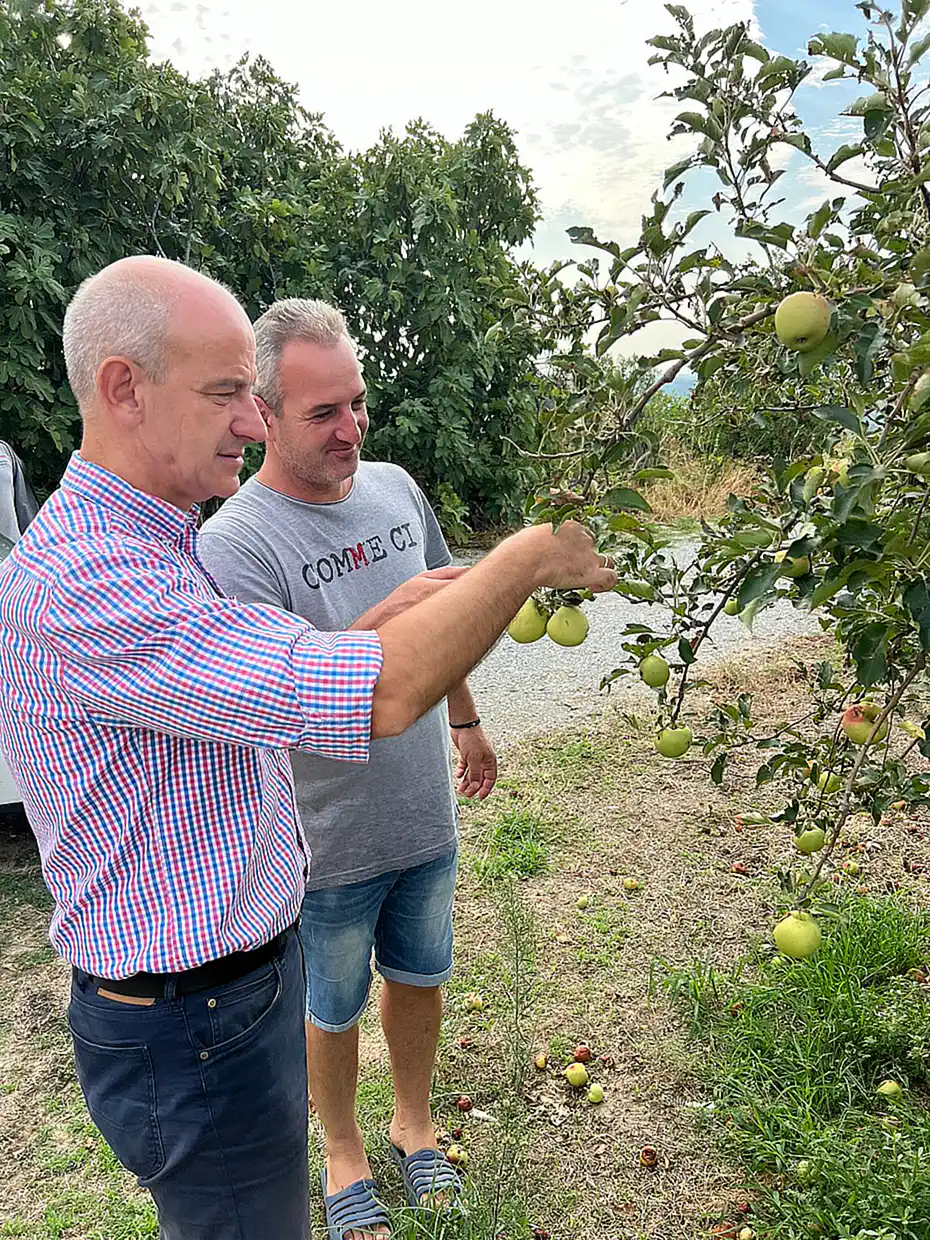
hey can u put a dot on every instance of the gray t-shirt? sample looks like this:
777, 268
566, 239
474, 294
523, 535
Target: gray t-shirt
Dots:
329, 563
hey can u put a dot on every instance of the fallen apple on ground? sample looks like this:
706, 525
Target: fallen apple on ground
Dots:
596, 1094
576, 1074
473, 1003
797, 935
582, 1054
649, 1155
890, 1090
631, 884
541, 1061
673, 742
457, 1156
583, 902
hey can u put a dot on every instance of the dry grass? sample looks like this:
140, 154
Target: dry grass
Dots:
700, 487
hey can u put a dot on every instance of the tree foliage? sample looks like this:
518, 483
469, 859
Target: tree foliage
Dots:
108, 154
838, 526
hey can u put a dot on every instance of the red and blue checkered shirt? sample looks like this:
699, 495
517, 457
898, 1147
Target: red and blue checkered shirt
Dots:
147, 719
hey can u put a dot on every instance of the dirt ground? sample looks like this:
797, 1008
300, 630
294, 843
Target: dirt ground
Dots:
574, 815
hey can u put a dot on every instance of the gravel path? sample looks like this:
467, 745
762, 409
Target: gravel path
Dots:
527, 690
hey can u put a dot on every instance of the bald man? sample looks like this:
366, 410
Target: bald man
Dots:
148, 721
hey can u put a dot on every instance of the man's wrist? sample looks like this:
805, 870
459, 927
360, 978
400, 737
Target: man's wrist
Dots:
464, 727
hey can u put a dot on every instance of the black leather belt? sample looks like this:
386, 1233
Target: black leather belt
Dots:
213, 973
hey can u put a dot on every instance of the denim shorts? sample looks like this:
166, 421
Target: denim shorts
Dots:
405, 915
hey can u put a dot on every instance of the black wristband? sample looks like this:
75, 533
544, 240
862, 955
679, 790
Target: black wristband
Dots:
461, 727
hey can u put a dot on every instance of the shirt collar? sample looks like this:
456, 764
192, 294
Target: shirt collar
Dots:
145, 511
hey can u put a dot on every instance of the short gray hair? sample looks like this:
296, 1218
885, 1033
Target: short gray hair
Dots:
294, 318
119, 316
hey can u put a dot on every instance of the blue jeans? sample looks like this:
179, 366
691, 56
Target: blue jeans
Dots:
203, 1097
405, 915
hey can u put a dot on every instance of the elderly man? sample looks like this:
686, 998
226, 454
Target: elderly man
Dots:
148, 721
330, 538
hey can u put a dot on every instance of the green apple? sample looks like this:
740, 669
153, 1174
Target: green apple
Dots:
473, 1003
859, 720
829, 783
920, 393
731, 607
905, 295
793, 565
654, 671
804, 1171
797, 935
584, 902
919, 463
631, 884
576, 1074
596, 1094
810, 841
802, 321
891, 1090
529, 624
568, 626
457, 1156
673, 742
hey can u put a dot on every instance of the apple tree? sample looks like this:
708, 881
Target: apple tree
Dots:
787, 309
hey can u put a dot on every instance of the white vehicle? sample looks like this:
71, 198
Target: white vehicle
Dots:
17, 508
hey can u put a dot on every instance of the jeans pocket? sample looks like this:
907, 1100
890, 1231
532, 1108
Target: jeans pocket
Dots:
238, 1010
118, 1083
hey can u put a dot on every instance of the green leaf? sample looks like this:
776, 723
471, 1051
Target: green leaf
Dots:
866, 347
758, 583
676, 170
841, 155
755, 50
919, 50
839, 46
809, 361
685, 653
875, 123
649, 475
717, 770
916, 599
868, 653
626, 498
819, 220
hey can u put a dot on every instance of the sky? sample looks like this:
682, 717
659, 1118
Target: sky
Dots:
571, 78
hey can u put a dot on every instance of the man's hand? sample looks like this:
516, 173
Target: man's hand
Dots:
477, 765
414, 591
567, 559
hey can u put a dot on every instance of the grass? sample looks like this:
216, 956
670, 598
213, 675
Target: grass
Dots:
793, 1056
699, 489
733, 1099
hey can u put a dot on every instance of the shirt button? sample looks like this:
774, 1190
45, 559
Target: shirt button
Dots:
204, 1054
211, 1003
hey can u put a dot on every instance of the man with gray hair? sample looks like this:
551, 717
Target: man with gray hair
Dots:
148, 719
338, 541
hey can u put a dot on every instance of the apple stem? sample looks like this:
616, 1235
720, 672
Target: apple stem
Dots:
888, 709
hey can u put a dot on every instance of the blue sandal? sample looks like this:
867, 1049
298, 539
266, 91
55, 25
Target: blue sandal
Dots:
426, 1173
355, 1208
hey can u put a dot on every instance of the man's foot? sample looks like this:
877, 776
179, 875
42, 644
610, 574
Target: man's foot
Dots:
409, 1141
344, 1168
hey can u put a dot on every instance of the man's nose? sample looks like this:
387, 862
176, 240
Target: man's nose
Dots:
348, 429
248, 423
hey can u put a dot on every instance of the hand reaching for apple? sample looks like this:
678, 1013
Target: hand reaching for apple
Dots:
568, 560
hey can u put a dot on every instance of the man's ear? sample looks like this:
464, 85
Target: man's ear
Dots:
119, 389
268, 415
